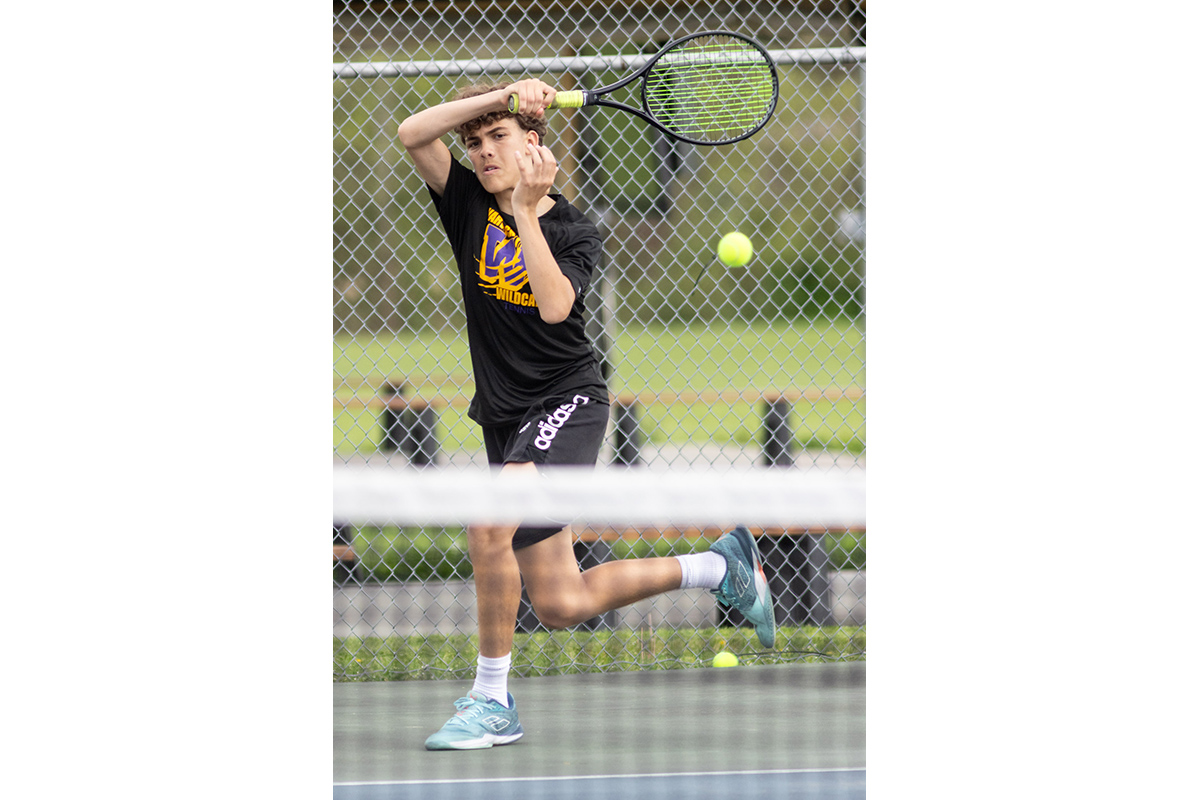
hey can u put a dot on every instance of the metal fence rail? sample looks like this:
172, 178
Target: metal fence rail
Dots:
708, 366
518, 66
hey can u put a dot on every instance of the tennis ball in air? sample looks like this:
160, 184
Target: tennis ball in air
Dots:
735, 249
725, 659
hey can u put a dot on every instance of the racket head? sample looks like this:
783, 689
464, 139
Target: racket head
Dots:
715, 87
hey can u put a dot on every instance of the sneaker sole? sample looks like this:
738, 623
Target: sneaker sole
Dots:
482, 743
760, 614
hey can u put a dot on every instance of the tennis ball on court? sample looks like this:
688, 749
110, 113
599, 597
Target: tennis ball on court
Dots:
735, 249
725, 659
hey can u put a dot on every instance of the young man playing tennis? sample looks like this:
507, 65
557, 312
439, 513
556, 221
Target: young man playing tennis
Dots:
525, 258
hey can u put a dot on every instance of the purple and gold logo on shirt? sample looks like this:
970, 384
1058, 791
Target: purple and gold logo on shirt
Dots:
502, 272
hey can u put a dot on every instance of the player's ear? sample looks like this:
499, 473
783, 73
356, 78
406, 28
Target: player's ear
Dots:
532, 136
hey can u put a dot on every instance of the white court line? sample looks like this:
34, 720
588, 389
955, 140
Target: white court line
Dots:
602, 777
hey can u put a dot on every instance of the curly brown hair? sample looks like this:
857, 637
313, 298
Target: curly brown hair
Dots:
535, 124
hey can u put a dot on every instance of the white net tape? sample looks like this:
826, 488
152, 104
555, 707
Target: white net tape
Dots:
756, 496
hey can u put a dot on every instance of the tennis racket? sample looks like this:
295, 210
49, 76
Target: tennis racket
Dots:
710, 88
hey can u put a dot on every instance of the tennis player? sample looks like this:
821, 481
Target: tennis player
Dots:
525, 258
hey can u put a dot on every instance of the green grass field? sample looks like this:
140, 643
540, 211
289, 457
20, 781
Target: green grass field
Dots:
676, 359
439, 657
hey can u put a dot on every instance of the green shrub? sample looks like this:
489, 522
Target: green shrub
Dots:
423, 554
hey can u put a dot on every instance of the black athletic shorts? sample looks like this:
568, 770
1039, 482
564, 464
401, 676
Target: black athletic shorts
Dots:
562, 430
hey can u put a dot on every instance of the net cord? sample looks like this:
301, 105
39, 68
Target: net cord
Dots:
759, 496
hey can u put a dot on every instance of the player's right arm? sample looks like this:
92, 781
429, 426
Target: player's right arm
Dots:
421, 134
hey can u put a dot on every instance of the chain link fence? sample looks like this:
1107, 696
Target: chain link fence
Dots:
707, 365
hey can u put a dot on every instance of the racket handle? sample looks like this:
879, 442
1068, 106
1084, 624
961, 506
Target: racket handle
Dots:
568, 99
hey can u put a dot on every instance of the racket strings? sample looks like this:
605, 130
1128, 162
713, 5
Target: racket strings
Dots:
713, 91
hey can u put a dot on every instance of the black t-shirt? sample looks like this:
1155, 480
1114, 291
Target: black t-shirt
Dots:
518, 358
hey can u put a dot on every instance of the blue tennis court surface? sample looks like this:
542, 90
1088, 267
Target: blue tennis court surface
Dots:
745, 732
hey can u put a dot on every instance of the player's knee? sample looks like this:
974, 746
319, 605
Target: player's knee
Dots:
559, 612
552, 619
485, 540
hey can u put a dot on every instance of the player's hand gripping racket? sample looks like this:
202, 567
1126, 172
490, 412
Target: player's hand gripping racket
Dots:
708, 88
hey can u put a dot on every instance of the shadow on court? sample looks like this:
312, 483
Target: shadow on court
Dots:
770, 731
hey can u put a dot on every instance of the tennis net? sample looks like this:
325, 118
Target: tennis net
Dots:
404, 603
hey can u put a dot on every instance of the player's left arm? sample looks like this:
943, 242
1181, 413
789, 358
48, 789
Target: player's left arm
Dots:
551, 288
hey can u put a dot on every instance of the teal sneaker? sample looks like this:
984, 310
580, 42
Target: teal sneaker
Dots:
745, 584
479, 723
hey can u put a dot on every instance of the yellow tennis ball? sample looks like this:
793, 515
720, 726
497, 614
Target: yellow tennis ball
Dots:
725, 659
735, 249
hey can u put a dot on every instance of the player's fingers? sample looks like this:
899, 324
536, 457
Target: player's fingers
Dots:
532, 101
542, 161
544, 93
530, 169
534, 97
522, 159
521, 94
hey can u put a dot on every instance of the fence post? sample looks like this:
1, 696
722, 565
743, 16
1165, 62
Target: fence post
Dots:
408, 425
628, 444
345, 560
419, 420
777, 433
796, 566
392, 395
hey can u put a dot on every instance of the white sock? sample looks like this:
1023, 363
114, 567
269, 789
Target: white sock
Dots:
491, 678
702, 570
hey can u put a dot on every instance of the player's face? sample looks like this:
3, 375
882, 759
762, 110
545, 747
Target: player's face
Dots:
491, 150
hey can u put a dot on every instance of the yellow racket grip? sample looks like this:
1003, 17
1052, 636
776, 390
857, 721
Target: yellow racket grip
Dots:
568, 99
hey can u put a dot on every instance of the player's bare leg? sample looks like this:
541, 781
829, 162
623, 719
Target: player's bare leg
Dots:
562, 596
487, 716
497, 586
